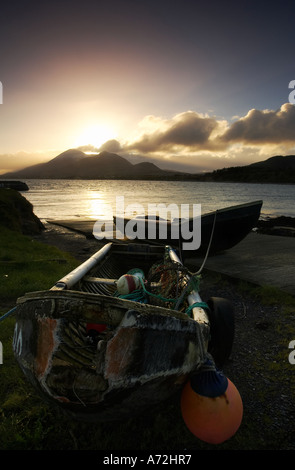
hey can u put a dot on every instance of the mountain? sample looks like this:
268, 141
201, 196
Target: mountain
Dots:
70, 155
277, 163
73, 164
278, 169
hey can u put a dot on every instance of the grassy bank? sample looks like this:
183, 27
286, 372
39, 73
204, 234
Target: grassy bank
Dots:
25, 265
27, 423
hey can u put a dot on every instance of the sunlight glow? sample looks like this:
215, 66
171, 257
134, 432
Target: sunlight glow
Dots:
95, 135
98, 206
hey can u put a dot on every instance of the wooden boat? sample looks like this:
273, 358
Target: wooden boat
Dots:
101, 356
220, 230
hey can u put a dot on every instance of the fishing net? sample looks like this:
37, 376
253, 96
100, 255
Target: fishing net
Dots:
169, 285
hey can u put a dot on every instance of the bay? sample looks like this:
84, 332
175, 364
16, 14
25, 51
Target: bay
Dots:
91, 199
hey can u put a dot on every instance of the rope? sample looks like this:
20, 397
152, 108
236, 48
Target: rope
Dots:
193, 280
7, 314
141, 295
138, 294
196, 304
208, 248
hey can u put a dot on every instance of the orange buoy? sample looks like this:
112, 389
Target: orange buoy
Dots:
215, 416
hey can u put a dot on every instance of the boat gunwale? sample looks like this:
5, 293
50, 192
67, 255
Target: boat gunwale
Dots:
222, 211
97, 300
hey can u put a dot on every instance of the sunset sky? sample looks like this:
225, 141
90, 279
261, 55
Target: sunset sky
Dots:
188, 84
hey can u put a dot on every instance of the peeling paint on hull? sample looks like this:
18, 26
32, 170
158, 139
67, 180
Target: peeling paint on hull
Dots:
142, 357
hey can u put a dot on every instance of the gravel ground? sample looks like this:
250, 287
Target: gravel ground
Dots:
260, 368
259, 364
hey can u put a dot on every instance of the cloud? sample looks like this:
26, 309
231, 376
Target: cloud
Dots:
193, 141
188, 130
88, 148
17, 161
263, 127
191, 134
112, 145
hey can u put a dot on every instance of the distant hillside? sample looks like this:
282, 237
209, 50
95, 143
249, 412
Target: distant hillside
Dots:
277, 163
276, 169
73, 164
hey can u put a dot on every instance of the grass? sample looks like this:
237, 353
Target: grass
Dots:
28, 265
269, 295
28, 423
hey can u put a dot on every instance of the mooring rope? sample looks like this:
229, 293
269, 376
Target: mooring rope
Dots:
8, 314
208, 248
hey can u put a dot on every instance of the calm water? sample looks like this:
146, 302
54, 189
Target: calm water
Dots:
68, 199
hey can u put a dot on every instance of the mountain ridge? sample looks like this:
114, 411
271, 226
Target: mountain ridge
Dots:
278, 169
75, 164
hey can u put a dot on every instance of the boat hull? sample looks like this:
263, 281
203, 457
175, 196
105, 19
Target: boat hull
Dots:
220, 230
232, 225
102, 358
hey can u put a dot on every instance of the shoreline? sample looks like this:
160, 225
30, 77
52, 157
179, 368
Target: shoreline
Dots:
77, 237
71, 241
263, 257
277, 225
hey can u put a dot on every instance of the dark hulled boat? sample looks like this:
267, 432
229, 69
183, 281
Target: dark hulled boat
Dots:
220, 230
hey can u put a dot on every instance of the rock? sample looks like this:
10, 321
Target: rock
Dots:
283, 231
18, 185
284, 226
16, 213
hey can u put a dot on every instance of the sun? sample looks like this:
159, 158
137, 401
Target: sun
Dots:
95, 135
